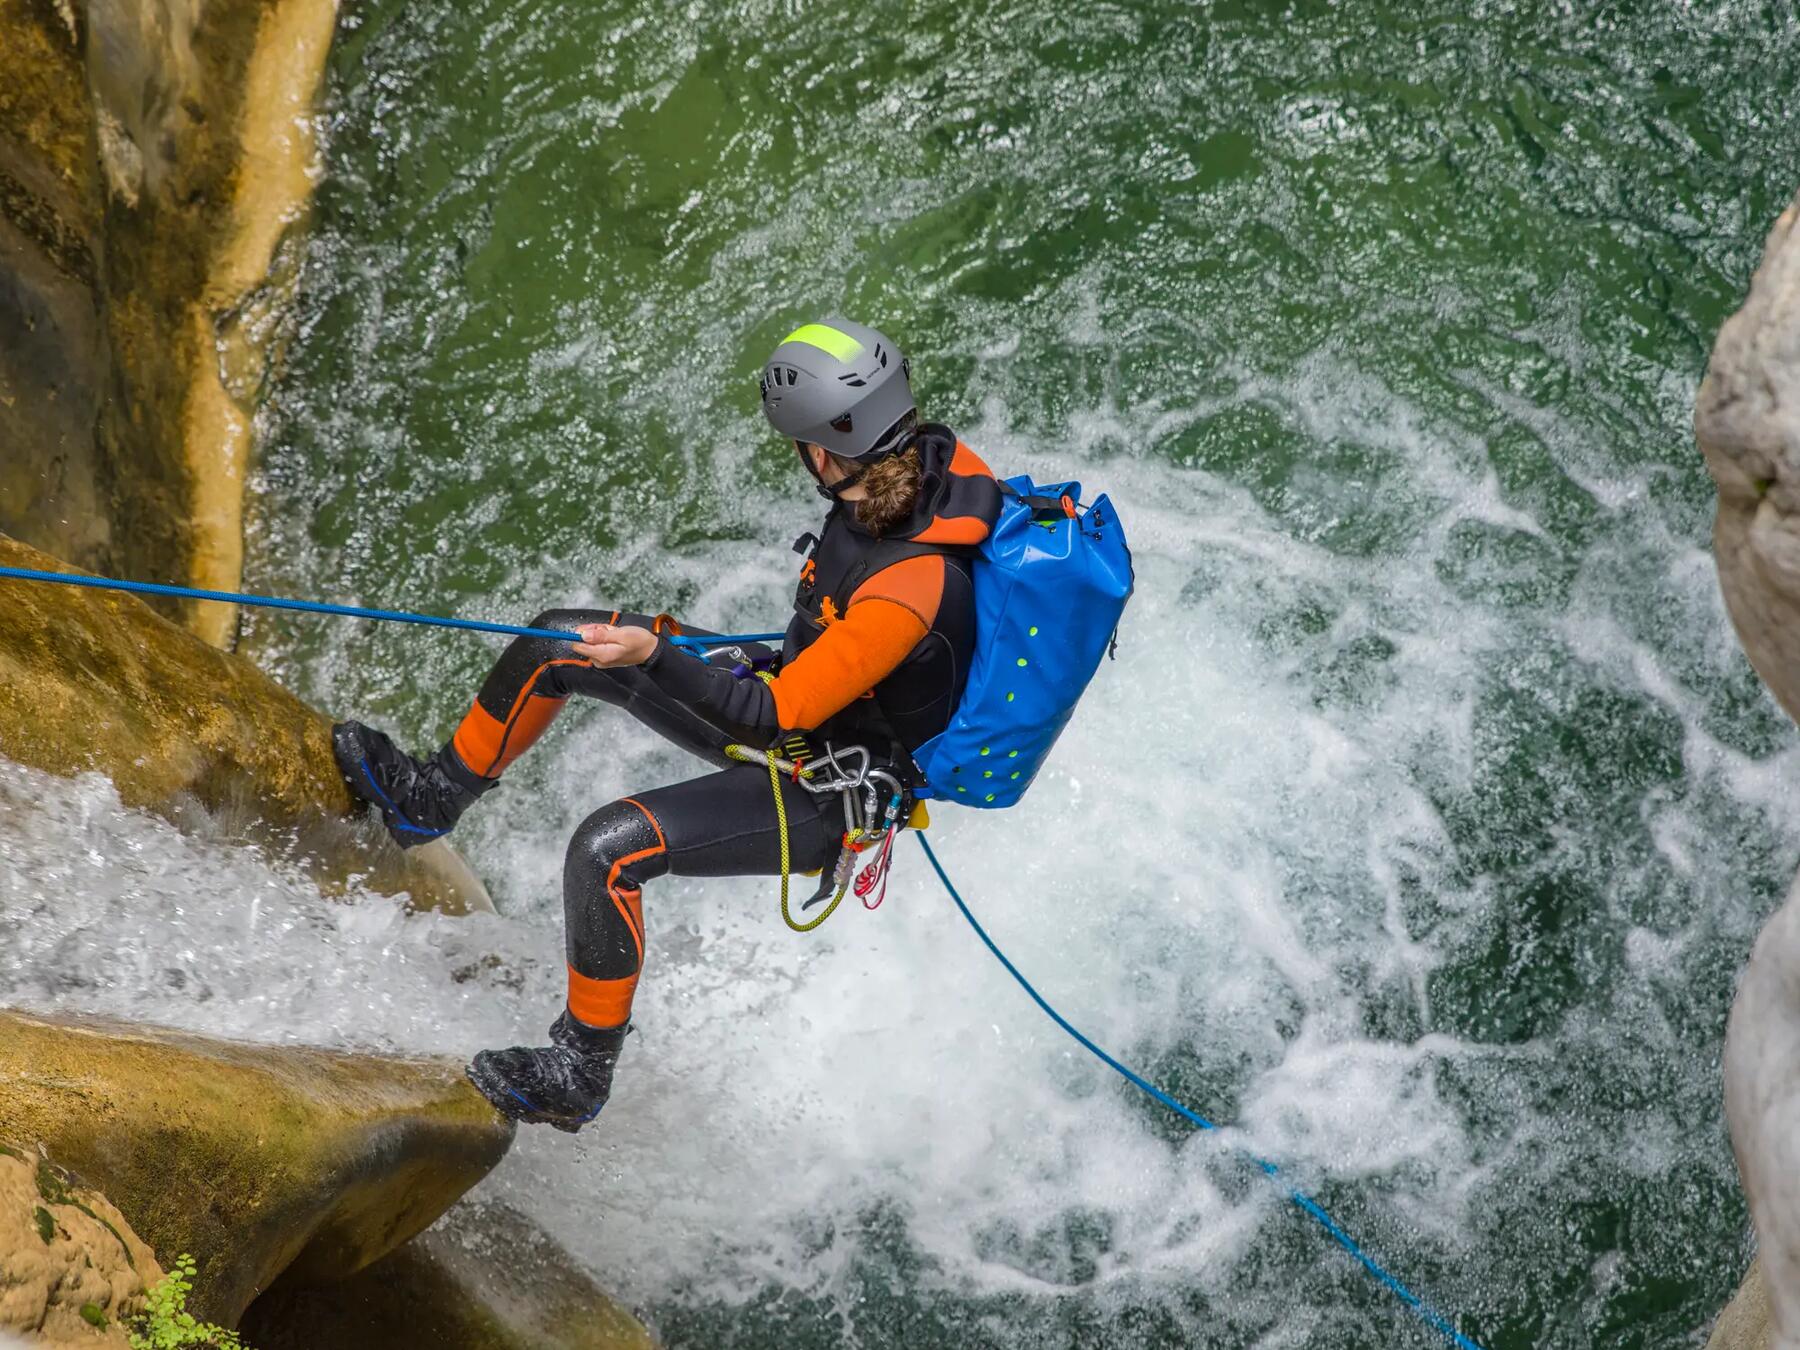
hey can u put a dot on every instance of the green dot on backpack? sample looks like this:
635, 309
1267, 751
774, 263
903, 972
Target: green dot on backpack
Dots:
1033, 630
986, 748
1012, 754
987, 773
990, 796
1011, 697
1015, 773
1023, 661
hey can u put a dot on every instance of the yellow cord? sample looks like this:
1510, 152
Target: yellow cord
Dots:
747, 755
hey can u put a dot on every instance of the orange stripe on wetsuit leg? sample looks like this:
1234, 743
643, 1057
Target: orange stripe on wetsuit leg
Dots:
849, 659
487, 745
607, 1003
661, 843
600, 1003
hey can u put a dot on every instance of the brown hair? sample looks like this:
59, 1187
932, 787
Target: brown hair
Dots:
891, 489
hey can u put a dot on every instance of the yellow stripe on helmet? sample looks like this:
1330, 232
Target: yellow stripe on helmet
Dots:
827, 339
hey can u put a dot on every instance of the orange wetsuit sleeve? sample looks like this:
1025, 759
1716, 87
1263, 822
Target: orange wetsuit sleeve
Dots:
883, 622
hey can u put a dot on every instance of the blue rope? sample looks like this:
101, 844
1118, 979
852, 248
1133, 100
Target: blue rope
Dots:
351, 611
1299, 1197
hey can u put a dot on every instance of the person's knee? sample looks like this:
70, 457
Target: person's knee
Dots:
534, 659
620, 834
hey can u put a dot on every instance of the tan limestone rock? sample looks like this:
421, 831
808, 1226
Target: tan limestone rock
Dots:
258, 1160
70, 1265
1747, 420
1744, 1325
154, 156
94, 679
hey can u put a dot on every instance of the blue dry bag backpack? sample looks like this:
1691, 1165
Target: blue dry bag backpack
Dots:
1050, 584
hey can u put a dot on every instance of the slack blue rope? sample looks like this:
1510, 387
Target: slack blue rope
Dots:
1312, 1207
348, 611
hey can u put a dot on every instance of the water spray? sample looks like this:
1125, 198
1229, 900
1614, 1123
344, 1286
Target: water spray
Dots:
1311, 1207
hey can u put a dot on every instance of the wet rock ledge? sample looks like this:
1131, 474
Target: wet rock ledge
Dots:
299, 1180
92, 680
153, 156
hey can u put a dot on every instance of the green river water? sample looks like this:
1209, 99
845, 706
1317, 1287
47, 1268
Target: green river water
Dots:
1430, 809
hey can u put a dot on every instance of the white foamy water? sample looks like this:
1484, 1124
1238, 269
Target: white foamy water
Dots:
1236, 873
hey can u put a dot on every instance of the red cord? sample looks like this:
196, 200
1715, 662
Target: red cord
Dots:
876, 871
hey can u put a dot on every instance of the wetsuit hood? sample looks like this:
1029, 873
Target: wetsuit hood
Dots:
958, 500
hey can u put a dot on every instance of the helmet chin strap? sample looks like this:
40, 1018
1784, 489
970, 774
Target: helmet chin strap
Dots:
832, 492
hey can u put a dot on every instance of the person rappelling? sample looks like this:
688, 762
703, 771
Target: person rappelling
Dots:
876, 656
945, 625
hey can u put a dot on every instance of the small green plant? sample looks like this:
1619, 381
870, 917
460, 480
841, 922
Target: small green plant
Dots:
166, 1324
46, 1225
91, 1314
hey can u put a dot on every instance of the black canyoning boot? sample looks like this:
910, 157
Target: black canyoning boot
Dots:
418, 800
563, 1084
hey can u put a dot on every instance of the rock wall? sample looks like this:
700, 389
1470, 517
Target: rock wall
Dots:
1747, 421
1744, 1325
153, 156
93, 680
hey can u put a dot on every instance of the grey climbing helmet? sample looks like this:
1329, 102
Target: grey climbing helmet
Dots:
841, 385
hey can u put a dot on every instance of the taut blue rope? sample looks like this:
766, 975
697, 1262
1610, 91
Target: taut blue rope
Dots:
1425, 1312
347, 611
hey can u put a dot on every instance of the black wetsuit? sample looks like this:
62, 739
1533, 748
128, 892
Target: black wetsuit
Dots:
877, 654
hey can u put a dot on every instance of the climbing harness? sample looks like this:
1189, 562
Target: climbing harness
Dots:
1430, 1316
698, 644
872, 799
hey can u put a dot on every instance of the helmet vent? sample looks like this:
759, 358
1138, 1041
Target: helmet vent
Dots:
853, 380
881, 355
842, 424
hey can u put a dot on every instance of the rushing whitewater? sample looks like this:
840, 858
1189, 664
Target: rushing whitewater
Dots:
1416, 833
